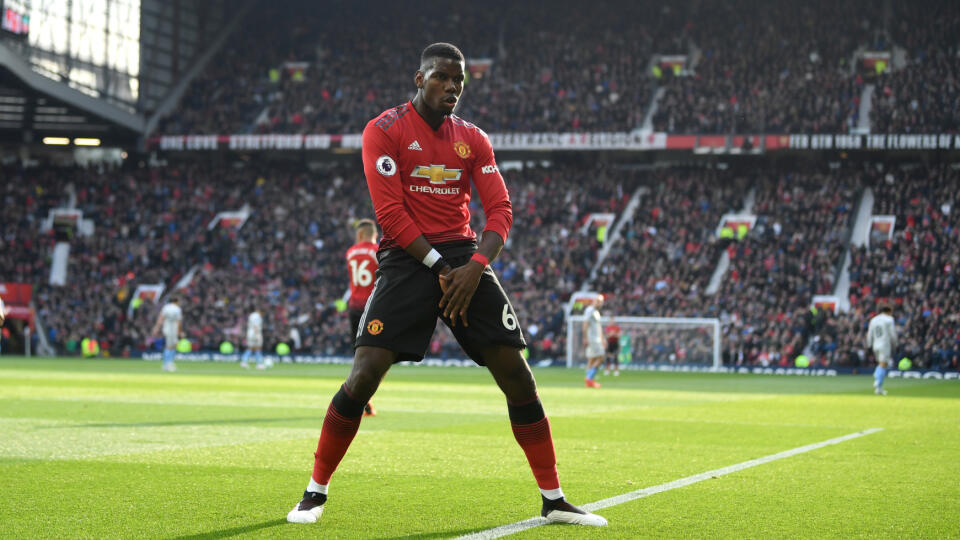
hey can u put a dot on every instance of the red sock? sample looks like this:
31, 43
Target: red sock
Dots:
340, 425
531, 428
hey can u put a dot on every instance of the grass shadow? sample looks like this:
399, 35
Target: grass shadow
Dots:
235, 531
441, 534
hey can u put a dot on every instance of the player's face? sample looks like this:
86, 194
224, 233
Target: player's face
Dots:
442, 84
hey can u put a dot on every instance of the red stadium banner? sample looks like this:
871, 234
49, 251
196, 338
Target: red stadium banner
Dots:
229, 220
823, 301
735, 225
16, 299
479, 67
881, 229
632, 141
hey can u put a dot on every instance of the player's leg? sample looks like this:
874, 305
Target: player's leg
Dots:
396, 325
494, 339
531, 429
594, 360
340, 426
169, 352
880, 373
355, 316
245, 359
258, 356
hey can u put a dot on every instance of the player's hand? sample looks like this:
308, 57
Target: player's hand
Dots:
458, 286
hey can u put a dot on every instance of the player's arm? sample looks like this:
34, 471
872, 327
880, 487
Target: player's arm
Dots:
461, 283
381, 168
3, 310
156, 327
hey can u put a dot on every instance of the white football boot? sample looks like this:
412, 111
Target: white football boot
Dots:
309, 509
560, 511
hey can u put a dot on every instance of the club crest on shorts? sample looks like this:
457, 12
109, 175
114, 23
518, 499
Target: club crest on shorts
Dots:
374, 327
462, 149
386, 166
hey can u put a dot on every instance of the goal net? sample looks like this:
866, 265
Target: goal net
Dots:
651, 341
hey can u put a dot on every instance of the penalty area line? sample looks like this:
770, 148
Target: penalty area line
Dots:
512, 528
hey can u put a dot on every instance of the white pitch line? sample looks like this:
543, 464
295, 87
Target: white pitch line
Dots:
512, 528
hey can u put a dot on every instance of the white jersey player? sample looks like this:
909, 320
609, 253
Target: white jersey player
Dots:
882, 338
254, 340
171, 321
593, 341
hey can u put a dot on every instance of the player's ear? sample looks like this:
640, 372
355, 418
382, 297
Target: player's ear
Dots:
418, 79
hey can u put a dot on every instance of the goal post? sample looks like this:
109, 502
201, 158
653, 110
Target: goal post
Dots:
654, 340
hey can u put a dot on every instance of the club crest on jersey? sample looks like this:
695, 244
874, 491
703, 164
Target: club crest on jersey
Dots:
375, 327
462, 149
386, 166
437, 174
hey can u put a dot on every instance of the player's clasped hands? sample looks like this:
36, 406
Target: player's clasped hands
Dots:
458, 286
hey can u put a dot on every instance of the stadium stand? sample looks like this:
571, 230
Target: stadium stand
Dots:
355, 61
27, 197
924, 97
323, 72
916, 270
782, 73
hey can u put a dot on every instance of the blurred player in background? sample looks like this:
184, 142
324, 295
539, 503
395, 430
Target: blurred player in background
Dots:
882, 338
362, 267
254, 341
626, 348
613, 349
593, 341
420, 161
170, 319
3, 316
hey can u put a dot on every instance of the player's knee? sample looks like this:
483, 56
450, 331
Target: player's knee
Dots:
362, 383
517, 382
369, 367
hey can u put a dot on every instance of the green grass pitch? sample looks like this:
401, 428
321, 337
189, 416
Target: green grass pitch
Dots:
117, 449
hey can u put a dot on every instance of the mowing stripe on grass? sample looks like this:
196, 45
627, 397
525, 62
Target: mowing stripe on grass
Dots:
512, 528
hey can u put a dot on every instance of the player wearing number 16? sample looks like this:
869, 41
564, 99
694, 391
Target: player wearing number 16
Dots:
420, 161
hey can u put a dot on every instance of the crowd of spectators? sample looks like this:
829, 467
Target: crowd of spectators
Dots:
767, 67
332, 70
753, 67
151, 226
924, 96
916, 270
663, 264
27, 198
794, 252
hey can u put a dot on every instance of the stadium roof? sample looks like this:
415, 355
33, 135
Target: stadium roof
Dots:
33, 107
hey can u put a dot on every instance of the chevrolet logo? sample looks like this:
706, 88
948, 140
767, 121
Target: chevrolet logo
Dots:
437, 174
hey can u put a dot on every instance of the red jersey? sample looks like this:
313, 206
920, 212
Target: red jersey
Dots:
361, 265
613, 333
419, 178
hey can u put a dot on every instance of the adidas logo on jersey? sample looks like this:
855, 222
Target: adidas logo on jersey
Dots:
414, 146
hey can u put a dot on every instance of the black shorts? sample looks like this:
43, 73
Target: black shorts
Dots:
355, 316
613, 347
402, 312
